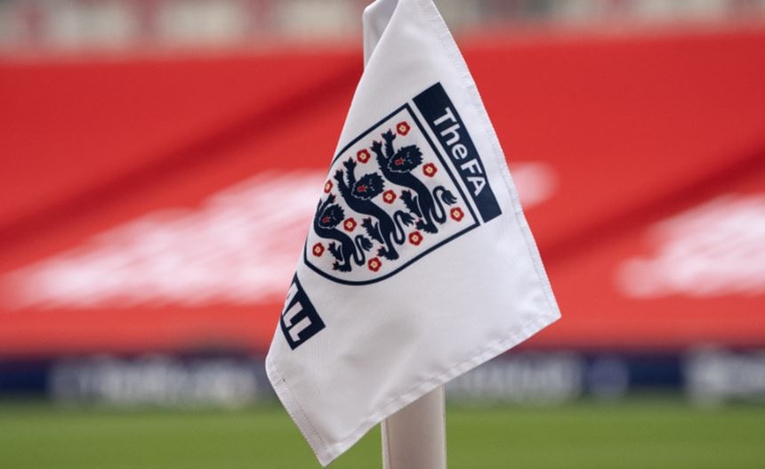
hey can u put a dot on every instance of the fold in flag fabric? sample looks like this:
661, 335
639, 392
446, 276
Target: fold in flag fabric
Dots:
419, 264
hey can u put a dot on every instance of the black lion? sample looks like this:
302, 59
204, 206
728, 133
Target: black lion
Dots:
397, 166
343, 248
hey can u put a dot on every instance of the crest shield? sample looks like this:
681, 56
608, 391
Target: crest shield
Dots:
390, 199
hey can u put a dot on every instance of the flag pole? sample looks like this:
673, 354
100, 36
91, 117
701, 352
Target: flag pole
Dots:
415, 436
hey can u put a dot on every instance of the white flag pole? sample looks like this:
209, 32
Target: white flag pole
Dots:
415, 436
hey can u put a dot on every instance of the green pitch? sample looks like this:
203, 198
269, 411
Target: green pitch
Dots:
636, 434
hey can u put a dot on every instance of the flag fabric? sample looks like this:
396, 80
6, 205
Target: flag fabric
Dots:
419, 264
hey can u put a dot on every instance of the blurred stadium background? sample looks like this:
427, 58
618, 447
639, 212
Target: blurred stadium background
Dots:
161, 160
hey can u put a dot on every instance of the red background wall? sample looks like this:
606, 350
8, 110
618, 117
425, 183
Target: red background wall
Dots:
634, 129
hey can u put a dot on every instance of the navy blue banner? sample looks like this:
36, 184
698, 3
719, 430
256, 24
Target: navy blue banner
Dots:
447, 125
708, 376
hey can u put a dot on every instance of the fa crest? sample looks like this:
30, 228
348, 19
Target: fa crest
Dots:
392, 196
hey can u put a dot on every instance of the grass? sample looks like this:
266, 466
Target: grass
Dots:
648, 433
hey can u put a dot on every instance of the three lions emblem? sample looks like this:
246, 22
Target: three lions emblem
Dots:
395, 194
388, 201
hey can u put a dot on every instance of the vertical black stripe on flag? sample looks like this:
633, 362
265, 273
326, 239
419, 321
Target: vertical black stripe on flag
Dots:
448, 127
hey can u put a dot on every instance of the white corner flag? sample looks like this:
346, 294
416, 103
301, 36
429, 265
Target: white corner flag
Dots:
419, 264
